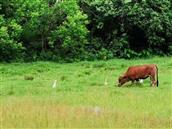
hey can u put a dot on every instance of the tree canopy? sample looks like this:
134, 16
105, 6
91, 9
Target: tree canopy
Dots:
84, 29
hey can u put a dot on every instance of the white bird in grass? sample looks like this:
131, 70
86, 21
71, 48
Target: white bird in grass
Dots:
106, 83
54, 84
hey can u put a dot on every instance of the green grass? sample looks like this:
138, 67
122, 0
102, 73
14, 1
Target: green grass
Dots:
81, 98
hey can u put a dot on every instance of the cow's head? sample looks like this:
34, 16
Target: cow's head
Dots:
122, 80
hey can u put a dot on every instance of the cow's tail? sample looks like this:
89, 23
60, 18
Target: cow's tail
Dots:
157, 82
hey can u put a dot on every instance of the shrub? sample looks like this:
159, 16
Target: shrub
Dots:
71, 36
10, 48
131, 29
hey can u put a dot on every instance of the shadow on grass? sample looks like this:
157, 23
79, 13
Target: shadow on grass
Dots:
130, 85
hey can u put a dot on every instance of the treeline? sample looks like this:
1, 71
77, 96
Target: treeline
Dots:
72, 30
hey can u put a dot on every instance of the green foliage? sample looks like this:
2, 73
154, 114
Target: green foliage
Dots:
131, 28
10, 48
85, 29
33, 15
72, 33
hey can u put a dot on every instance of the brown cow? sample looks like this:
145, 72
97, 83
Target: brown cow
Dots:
134, 73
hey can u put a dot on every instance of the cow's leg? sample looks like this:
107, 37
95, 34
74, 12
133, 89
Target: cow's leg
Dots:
137, 80
152, 79
132, 81
155, 83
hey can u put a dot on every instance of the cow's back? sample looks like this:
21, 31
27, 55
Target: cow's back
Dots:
139, 71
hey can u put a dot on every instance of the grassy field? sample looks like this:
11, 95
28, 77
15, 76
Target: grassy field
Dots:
86, 95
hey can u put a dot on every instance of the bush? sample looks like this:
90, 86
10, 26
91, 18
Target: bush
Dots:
71, 36
131, 29
10, 48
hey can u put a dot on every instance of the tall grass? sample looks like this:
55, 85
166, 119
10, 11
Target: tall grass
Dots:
82, 99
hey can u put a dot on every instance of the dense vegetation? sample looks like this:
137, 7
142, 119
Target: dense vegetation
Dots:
84, 29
